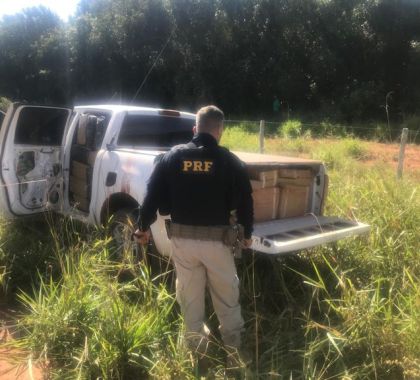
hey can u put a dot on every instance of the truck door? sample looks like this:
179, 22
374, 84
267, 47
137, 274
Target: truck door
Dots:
30, 158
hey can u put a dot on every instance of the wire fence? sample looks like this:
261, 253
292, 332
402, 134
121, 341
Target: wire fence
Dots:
262, 130
272, 129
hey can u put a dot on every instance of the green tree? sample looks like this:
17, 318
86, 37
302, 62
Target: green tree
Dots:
33, 56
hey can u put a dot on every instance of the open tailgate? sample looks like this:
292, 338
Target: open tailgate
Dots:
294, 234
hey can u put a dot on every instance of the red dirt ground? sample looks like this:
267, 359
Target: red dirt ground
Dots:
9, 371
387, 154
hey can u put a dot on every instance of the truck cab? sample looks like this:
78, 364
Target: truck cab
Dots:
94, 162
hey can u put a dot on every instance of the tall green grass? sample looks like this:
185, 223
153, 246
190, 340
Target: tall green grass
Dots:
100, 319
349, 310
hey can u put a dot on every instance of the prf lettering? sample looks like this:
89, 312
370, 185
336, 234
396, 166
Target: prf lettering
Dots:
196, 166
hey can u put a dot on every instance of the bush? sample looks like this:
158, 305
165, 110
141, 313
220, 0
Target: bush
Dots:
328, 129
29, 246
245, 126
4, 104
412, 122
238, 139
25, 248
354, 148
291, 129
332, 156
381, 132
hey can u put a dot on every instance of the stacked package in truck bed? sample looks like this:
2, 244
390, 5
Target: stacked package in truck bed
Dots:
280, 193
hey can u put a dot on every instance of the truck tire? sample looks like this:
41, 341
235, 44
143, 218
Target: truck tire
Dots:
121, 228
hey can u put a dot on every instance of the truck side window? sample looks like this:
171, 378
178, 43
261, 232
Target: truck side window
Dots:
41, 126
155, 131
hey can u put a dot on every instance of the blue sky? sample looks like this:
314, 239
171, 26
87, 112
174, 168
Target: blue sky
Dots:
64, 8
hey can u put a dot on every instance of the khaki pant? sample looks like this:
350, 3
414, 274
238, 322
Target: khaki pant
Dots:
199, 263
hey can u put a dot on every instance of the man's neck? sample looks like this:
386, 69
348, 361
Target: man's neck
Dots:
207, 138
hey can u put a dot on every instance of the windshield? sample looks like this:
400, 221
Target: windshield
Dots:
155, 131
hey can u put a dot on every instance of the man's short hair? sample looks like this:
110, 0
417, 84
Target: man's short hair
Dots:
208, 118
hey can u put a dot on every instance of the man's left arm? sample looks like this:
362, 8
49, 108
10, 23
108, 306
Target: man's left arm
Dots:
245, 210
155, 191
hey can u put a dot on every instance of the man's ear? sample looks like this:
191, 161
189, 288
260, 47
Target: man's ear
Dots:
195, 129
219, 133
222, 128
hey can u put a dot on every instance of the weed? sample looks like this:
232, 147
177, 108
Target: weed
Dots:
348, 310
4, 103
89, 325
238, 139
291, 129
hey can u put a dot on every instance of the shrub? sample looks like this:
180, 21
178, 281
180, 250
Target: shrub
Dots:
291, 129
354, 148
24, 249
4, 104
328, 129
381, 132
245, 126
238, 139
412, 122
332, 156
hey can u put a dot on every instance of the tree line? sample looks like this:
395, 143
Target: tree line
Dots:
336, 58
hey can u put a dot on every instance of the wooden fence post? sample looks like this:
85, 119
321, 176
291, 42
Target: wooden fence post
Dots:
404, 137
262, 124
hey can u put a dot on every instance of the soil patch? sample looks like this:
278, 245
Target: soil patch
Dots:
8, 368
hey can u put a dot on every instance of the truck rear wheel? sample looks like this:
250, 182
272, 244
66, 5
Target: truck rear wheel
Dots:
121, 227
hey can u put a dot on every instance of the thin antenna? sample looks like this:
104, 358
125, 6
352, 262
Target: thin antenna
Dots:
151, 69
112, 97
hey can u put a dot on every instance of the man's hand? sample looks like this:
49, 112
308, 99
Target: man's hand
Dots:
247, 243
142, 237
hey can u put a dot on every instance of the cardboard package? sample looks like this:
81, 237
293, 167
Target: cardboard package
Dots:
267, 178
295, 173
266, 203
81, 171
256, 185
81, 137
295, 177
84, 155
79, 187
91, 158
294, 201
86, 131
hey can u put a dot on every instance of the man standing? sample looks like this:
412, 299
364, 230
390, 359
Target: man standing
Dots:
200, 184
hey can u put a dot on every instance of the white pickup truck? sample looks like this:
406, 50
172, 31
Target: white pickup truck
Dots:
92, 162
